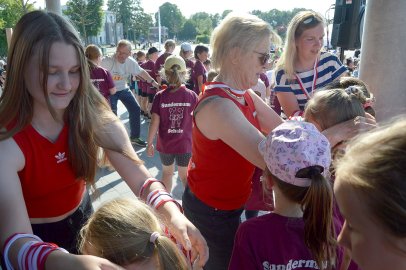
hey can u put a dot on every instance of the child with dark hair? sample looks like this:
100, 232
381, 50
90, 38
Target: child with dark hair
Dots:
299, 232
199, 70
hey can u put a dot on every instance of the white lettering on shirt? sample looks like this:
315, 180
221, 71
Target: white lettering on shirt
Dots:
293, 264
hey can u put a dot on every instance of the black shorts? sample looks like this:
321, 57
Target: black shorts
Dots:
182, 160
143, 93
151, 97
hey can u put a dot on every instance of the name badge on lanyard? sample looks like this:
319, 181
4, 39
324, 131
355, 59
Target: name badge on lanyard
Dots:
315, 75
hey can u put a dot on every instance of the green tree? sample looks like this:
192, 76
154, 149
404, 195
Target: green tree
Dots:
225, 13
77, 12
86, 15
95, 11
171, 17
10, 12
141, 24
203, 23
216, 18
188, 31
128, 12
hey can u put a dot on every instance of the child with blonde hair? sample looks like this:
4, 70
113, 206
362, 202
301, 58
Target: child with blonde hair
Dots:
370, 188
172, 119
299, 232
127, 232
345, 82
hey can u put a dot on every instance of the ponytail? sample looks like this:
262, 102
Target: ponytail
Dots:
174, 76
316, 202
317, 215
170, 257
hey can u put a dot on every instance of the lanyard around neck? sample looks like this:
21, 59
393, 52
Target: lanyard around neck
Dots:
315, 75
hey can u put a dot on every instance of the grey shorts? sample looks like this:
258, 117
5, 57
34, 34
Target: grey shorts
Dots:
182, 160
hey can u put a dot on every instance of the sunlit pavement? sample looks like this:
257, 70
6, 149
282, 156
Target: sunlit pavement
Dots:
109, 184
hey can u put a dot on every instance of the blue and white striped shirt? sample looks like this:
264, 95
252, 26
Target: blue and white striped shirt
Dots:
328, 69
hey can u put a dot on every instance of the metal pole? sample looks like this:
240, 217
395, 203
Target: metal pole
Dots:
54, 6
159, 28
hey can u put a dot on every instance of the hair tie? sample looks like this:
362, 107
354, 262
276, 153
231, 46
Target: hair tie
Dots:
154, 236
314, 170
369, 101
351, 89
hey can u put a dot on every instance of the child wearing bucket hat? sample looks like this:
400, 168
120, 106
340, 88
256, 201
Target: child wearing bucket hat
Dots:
299, 232
172, 120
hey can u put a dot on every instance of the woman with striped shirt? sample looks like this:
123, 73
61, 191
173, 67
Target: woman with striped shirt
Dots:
303, 68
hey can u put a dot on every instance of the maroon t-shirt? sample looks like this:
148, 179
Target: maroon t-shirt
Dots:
175, 120
272, 241
190, 65
101, 78
199, 70
149, 67
264, 78
160, 62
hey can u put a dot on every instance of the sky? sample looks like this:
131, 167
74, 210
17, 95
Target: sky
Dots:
189, 7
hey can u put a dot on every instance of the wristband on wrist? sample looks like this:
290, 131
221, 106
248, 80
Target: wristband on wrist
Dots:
147, 183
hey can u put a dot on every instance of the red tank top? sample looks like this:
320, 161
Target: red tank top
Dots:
217, 174
49, 184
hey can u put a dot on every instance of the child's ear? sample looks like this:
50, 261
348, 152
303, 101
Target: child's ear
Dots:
267, 182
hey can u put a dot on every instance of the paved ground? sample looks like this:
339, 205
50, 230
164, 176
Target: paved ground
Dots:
110, 185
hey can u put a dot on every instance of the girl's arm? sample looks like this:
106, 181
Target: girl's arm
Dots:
153, 129
15, 218
288, 102
200, 82
134, 173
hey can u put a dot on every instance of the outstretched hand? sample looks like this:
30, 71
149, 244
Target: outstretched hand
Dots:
191, 239
150, 150
348, 129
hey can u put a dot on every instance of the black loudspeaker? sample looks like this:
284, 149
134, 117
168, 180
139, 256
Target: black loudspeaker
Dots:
348, 24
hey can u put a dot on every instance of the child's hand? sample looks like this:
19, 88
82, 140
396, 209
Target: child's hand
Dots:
150, 150
348, 129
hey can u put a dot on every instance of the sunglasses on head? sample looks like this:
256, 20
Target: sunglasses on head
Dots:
309, 20
264, 57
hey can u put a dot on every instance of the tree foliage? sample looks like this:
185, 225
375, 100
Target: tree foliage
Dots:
188, 31
171, 17
203, 23
86, 15
130, 13
10, 12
